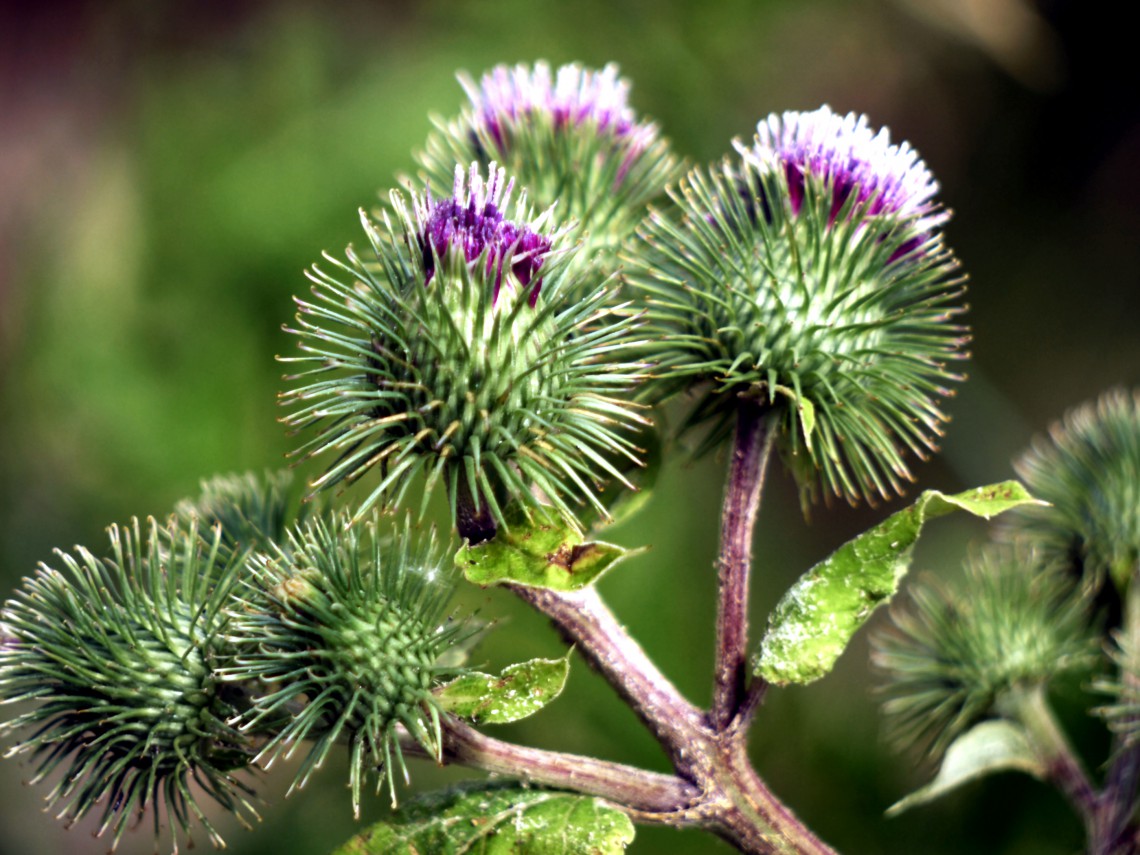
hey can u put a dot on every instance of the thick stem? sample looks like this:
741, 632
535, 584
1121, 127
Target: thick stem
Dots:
754, 820
733, 801
650, 796
587, 622
1116, 832
752, 445
1062, 766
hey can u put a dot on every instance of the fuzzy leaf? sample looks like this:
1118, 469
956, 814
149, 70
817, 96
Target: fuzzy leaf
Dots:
520, 691
814, 621
541, 554
497, 819
992, 746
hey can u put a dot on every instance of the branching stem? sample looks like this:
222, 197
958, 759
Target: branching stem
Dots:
649, 796
586, 621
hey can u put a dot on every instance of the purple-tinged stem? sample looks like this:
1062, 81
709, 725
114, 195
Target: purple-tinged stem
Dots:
474, 521
1062, 767
587, 622
1115, 832
751, 449
649, 796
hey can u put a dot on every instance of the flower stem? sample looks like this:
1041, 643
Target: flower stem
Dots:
1115, 832
751, 449
732, 802
473, 518
648, 796
1062, 766
588, 622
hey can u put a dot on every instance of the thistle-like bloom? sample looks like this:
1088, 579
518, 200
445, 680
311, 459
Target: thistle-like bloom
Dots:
810, 274
456, 355
1088, 470
952, 653
345, 632
119, 657
569, 137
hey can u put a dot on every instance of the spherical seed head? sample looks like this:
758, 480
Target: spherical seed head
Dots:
119, 657
1088, 470
569, 136
457, 354
347, 630
952, 652
824, 291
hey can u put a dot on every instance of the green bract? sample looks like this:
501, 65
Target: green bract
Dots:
781, 279
118, 656
1088, 470
951, 655
456, 354
344, 632
252, 511
569, 138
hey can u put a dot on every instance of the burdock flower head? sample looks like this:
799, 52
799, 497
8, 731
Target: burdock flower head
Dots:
456, 354
570, 137
119, 657
1088, 470
955, 651
810, 274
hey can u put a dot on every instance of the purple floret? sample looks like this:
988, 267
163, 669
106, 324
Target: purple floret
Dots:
843, 151
573, 97
472, 219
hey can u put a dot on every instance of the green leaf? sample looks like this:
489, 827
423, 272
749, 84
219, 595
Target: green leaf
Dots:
541, 553
992, 746
814, 621
520, 691
497, 819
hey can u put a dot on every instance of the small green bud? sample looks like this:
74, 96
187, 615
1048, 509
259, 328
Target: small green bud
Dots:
455, 355
1088, 470
118, 655
346, 633
252, 511
950, 656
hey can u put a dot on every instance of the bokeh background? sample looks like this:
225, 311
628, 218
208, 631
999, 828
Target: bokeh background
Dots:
168, 169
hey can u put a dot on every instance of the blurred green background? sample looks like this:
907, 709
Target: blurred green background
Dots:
168, 169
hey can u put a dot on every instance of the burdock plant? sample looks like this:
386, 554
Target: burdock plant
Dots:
345, 631
502, 337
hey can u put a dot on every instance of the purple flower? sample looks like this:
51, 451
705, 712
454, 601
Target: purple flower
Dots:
471, 220
573, 97
846, 154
